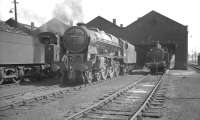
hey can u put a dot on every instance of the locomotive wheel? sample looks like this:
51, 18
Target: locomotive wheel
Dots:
88, 75
117, 71
97, 76
104, 73
1, 81
111, 72
16, 80
152, 71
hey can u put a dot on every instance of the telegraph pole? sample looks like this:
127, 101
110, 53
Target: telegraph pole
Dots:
15, 8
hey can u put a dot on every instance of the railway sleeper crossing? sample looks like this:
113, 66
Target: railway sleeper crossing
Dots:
144, 98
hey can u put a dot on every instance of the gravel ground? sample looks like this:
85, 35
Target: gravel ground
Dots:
27, 86
69, 103
183, 96
15, 93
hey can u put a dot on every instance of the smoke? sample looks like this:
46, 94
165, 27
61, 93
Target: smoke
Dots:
41, 11
27, 15
69, 11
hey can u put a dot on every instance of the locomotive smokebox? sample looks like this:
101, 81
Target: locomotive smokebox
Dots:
76, 39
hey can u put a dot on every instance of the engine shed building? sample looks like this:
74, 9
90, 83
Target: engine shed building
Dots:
152, 27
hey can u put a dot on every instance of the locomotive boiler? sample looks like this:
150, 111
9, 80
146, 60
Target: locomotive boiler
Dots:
157, 59
94, 55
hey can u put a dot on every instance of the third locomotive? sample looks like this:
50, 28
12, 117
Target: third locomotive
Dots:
157, 59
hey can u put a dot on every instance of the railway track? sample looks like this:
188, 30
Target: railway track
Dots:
20, 93
8, 85
196, 67
35, 89
25, 96
9, 91
131, 102
36, 94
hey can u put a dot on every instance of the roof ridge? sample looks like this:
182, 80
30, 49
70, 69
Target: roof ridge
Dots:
155, 13
104, 20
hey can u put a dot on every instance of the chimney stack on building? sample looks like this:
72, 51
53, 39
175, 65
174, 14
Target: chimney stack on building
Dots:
121, 25
114, 21
32, 25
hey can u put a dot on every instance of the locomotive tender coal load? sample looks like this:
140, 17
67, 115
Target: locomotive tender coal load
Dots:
94, 55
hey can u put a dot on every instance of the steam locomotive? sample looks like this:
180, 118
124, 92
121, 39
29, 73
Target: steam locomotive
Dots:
157, 59
94, 55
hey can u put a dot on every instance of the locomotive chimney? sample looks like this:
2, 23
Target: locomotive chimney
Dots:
83, 25
114, 21
121, 25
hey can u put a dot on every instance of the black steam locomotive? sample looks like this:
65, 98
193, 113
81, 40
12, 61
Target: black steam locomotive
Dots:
157, 59
94, 55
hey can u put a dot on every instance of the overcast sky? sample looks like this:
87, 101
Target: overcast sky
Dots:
185, 12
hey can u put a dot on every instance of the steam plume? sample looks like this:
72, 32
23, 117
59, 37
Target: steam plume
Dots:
69, 11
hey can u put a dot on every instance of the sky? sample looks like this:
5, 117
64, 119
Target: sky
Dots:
185, 12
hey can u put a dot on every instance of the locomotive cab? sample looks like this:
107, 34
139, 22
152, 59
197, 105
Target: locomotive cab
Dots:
51, 42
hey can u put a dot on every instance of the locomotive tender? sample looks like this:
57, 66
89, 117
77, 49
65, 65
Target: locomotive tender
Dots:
94, 55
19, 53
25, 55
157, 59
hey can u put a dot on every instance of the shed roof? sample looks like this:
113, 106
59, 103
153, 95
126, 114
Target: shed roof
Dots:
157, 15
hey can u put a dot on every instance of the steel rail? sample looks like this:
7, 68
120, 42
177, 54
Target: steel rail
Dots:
196, 67
2, 86
7, 86
137, 115
22, 93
